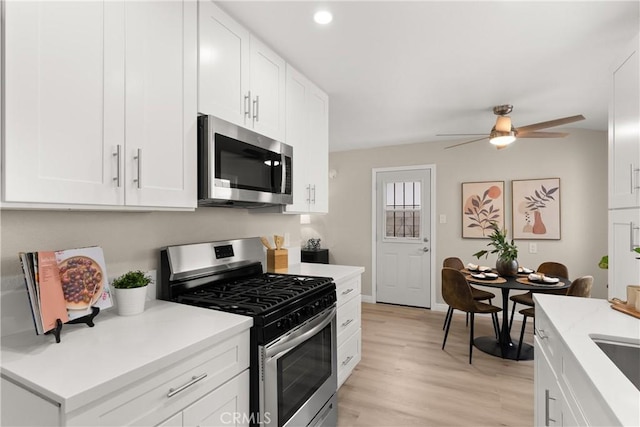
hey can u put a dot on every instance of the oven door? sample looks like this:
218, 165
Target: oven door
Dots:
299, 374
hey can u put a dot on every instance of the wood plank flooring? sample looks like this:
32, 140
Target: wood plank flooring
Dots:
405, 379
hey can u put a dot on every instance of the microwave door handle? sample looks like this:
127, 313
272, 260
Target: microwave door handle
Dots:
283, 165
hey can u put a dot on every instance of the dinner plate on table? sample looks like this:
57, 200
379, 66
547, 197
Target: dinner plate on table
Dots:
484, 276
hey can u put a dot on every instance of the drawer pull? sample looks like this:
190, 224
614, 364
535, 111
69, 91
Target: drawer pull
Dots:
347, 360
347, 323
194, 379
542, 335
348, 291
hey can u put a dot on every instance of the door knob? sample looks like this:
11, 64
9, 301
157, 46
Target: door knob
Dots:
425, 249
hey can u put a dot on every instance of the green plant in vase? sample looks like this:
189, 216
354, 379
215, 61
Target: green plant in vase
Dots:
131, 292
507, 263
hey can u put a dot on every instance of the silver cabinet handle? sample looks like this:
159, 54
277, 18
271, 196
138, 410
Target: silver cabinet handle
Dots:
256, 109
347, 323
117, 155
347, 360
635, 185
314, 194
138, 157
542, 335
247, 105
348, 291
547, 398
308, 194
194, 379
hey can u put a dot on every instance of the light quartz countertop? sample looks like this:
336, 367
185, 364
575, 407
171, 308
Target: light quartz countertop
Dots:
118, 350
337, 272
577, 320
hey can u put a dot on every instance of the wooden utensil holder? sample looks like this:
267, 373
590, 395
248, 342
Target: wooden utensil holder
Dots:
277, 260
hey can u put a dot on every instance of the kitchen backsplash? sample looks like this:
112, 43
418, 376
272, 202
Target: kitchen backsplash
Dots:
130, 241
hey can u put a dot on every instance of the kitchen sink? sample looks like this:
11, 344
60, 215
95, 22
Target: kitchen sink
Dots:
625, 355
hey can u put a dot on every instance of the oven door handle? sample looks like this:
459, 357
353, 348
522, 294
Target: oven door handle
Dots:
289, 342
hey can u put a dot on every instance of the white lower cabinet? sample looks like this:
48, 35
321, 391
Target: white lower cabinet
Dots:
564, 395
348, 320
228, 405
210, 387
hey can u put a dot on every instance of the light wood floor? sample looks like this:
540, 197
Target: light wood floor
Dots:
404, 378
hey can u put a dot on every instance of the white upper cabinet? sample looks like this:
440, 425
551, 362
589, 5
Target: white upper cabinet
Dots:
223, 61
624, 130
267, 95
99, 109
161, 114
308, 132
64, 101
240, 79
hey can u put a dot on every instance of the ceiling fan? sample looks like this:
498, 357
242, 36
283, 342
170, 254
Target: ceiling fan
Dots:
503, 133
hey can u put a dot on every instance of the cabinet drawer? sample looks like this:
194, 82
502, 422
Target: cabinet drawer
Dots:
348, 319
348, 289
549, 340
348, 356
162, 394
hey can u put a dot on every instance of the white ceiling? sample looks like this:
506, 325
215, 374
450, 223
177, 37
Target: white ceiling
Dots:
402, 72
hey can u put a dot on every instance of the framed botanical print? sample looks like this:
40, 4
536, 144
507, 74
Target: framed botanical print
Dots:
536, 208
482, 205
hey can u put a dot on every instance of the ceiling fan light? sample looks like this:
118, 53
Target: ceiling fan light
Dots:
502, 138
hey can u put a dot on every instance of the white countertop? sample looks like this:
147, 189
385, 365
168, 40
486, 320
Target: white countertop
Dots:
337, 272
579, 319
89, 362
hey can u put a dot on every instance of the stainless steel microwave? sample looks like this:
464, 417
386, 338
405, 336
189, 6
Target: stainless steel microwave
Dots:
241, 168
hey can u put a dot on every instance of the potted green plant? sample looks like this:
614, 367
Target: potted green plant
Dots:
507, 263
131, 292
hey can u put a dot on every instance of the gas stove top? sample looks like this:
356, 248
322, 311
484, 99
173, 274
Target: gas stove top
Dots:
254, 295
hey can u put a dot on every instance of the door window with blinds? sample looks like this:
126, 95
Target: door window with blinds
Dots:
403, 210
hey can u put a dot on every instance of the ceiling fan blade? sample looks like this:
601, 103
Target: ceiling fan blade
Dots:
466, 142
542, 135
460, 134
550, 123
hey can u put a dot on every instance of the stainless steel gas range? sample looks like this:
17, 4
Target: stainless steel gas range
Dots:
293, 366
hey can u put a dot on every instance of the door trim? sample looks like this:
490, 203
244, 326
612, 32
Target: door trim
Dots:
432, 226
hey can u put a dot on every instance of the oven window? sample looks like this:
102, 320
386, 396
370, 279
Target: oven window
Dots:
301, 372
248, 167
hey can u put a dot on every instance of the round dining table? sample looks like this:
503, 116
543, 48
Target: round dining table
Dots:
505, 347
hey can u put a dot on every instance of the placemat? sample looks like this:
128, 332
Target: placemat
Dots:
470, 278
526, 281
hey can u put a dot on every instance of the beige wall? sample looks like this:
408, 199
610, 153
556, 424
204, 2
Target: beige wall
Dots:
579, 160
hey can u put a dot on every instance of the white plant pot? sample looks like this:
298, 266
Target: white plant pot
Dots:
130, 301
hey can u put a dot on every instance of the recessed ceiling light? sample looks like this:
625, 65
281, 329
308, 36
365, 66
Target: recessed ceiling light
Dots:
323, 17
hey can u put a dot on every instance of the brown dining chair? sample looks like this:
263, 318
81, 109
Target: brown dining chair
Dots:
549, 268
457, 293
580, 287
478, 294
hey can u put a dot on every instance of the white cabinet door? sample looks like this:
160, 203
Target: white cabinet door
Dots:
223, 60
624, 236
228, 405
240, 79
547, 397
267, 91
318, 150
624, 131
308, 132
297, 89
64, 101
161, 94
